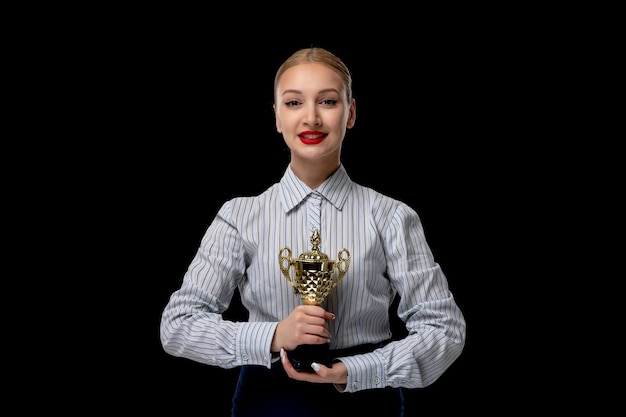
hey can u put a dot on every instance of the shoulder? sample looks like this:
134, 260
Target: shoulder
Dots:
250, 205
384, 209
374, 197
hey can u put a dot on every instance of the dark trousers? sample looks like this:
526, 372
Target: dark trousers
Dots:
263, 392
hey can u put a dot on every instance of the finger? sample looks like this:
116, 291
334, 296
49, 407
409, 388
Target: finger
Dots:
285, 360
288, 367
316, 311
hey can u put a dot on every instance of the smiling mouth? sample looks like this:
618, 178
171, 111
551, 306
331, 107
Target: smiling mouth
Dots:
311, 139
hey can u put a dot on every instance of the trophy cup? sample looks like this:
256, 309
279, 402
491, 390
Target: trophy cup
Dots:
313, 279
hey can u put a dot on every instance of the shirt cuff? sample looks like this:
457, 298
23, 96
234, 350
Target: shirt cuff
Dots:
254, 341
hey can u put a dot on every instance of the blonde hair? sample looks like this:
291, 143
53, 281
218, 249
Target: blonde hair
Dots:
322, 56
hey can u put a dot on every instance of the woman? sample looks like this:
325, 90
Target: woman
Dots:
383, 252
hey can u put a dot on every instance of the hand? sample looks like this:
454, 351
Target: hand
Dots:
337, 374
305, 325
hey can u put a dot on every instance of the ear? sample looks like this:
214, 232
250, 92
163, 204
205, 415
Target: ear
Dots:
278, 124
351, 115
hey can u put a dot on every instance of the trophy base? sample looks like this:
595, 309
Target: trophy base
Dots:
302, 357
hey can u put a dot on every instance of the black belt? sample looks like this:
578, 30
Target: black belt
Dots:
357, 350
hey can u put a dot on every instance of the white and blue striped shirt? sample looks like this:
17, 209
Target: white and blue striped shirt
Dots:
389, 256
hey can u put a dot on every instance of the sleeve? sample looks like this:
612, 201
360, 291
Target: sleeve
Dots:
192, 325
436, 326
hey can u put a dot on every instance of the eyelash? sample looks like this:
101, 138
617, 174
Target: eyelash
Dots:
327, 102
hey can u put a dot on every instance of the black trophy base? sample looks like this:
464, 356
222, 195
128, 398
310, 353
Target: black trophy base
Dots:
302, 357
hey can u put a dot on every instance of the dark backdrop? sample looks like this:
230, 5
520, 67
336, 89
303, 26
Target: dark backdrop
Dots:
184, 122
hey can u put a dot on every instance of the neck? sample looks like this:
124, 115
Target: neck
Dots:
314, 173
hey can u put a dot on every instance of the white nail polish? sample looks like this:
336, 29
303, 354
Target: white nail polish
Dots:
315, 366
282, 353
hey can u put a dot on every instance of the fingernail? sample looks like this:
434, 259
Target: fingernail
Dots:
315, 366
282, 353
333, 318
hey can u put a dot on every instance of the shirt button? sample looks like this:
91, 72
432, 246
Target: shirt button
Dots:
265, 358
376, 380
245, 356
355, 385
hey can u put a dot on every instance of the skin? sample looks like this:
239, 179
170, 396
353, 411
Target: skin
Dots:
312, 113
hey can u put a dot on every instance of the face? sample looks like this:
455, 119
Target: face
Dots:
312, 112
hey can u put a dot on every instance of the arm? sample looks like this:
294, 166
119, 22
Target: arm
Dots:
436, 327
191, 323
435, 324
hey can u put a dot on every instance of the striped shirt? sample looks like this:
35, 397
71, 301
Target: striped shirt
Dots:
389, 256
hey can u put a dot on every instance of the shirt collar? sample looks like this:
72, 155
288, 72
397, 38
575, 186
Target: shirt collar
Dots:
335, 189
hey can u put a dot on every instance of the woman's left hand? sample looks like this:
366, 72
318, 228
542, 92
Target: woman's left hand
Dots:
338, 374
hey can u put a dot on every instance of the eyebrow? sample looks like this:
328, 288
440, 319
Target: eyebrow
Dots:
327, 90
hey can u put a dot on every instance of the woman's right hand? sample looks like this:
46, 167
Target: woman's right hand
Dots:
305, 325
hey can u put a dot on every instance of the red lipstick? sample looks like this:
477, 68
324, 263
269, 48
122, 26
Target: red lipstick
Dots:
311, 137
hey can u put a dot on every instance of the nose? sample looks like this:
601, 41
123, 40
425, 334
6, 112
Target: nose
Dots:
312, 117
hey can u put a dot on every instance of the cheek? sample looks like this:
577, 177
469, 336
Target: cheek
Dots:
339, 121
285, 123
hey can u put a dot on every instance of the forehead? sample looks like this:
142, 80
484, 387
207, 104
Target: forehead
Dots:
309, 77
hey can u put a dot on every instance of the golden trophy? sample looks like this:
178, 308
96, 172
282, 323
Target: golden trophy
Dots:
313, 279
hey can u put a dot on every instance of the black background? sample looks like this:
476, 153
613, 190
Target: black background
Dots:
176, 118
128, 126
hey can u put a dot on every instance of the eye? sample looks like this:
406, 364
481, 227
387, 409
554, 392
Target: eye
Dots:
329, 102
292, 103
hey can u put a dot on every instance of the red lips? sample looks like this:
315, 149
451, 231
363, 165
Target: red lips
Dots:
311, 137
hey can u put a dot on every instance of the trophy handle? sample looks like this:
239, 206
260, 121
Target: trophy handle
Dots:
343, 263
285, 263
